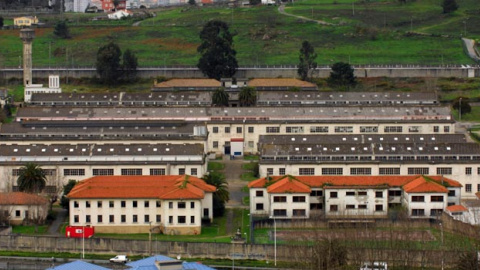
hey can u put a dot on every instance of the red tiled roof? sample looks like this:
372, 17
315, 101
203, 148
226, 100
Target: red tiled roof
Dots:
435, 183
288, 185
189, 83
143, 186
279, 82
457, 208
21, 198
423, 185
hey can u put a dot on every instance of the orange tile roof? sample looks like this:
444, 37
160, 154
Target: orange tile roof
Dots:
21, 198
142, 186
457, 208
279, 82
432, 183
288, 185
189, 83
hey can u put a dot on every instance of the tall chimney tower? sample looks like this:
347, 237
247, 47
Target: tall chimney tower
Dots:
27, 35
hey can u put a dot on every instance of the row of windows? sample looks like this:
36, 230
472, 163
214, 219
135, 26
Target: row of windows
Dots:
421, 212
368, 171
433, 198
98, 172
338, 129
146, 204
369, 157
334, 207
134, 219
281, 199
215, 144
47, 172
468, 188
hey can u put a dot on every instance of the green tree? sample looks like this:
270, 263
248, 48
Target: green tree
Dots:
247, 96
116, 3
108, 63
342, 76
218, 58
129, 65
449, 6
462, 105
192, 2
220, 97
61, 30
307, 64
221, 196
1, 21
326, 254
31, 178
64, 201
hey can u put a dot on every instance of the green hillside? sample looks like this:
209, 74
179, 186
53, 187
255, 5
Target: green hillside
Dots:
377, 33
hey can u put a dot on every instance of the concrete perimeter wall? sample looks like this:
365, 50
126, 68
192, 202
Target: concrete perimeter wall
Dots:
399, 256
259, 72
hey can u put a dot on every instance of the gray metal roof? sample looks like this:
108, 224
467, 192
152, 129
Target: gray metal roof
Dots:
331, 114
362, 139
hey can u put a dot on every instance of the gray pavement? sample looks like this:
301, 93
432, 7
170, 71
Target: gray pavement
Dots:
232, 171
61, 216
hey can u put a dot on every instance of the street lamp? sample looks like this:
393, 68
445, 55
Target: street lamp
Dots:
150, 238
275, 239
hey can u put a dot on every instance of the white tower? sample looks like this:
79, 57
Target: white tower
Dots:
27, 35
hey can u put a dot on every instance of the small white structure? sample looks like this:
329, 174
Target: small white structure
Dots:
19, 206
119, 15
53, 87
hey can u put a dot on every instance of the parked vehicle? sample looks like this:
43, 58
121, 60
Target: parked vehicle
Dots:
374, 266
119, 259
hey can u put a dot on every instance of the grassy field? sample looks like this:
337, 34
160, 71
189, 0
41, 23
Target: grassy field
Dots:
376, 34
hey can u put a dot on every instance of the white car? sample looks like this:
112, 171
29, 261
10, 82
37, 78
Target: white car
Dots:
374, 266
119, 259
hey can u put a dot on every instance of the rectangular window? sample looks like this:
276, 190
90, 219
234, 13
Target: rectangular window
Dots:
343, 129
279, 199
259, 206
360, 171
251, 129
316, 206
350, 193
134, 204
135, 218
436, 212
379, 207
299, 213
436, 199
269, 171
123, 204
75, 204
418, 198
111, 218
158, 218
259, 193
414, 129
50, 172
332, 171
87, 204
158, 204
319, 129
333, 194
442, 171
181, 205
389, 171
146, 204
306, 171
192, 205
146, 218
111, 204
281, 171
215, 129
468, 188
468, 170
316, 193
378, 194
181, 171
73, 172
193, 171
294, 129
155, 171
181, 219
280, 212
170, 205
76, 218
418, 212
423, 171
99, 218
350, 206
362, 206
227, 129
368, 129
192, 219
239, 129
96, 172
298, 198
394, 193
215, 144
123, 218
273, 129
16, 172
446, 129
131, 171
389, 129
451, 193
333, 208
436, 129
362, 193
99, 204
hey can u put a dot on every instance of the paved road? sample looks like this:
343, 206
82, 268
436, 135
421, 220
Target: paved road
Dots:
233, 170
54, 229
